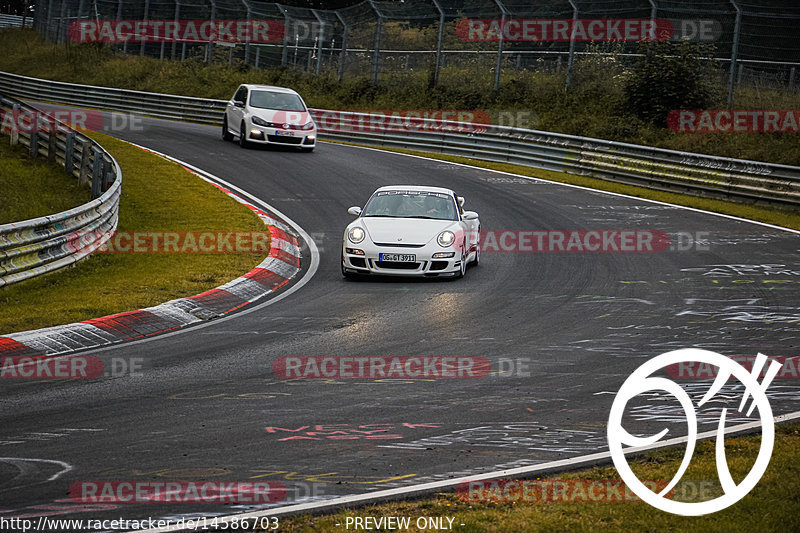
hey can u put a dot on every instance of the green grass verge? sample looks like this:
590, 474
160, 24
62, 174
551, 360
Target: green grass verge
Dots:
773, 505
33, 187
784, 218
157, 195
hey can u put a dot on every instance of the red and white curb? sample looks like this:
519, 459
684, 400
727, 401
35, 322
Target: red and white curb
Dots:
273, 273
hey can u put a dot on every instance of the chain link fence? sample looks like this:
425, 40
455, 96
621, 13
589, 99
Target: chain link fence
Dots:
754, 41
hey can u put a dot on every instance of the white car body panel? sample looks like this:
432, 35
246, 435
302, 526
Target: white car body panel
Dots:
411, 236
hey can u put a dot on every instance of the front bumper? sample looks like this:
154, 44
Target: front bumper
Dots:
265, 135
425, 264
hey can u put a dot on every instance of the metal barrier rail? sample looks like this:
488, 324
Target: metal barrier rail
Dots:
15, 21
654, 168
40, 245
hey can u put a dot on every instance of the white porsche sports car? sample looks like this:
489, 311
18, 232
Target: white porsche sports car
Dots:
407, 230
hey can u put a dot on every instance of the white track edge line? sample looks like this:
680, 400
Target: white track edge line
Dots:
581, 187
312, 269
565, 464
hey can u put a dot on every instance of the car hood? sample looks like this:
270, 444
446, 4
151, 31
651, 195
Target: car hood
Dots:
295, 118
405, 230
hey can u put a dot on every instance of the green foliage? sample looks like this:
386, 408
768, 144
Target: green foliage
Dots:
670, 76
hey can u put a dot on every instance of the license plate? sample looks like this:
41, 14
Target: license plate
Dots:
398, 258
281, 133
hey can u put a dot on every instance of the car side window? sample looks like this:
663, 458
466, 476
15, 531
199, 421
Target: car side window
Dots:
241, 95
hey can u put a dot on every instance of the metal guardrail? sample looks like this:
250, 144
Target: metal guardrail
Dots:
40, 245
15, 21
655, 168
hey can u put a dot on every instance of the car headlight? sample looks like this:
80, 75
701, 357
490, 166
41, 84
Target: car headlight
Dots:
446, 239
260, 122
356, 235
309, 126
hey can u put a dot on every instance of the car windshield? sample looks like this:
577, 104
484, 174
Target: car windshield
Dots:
411, 204
276, 100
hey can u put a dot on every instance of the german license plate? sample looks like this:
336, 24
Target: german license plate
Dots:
398, 258
282, 133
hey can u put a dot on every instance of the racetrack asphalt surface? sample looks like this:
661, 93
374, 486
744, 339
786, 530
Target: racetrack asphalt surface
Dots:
565, 329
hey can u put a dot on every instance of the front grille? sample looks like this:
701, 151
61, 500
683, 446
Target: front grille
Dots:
438, 265
358, 262
398, 245
284, 140
397, 265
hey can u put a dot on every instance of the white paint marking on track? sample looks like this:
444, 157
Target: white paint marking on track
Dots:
373, 497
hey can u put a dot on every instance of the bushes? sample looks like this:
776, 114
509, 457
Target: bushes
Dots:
671, 76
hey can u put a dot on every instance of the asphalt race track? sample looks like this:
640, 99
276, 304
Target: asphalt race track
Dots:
562, 332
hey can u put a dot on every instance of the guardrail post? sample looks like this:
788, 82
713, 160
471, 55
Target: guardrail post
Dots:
52, 147
107, 176
34, 146
15, 130
69, 152
734, 50
97, 174
83, 171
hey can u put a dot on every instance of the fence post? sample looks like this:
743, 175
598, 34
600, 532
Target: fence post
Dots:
61, 32
247, 44
343, 54
285, 52
83, 171
145, 17
210, 44
177, 18
119, 17
571, 59
376, 54
499, 66
735, 50
439, 40
97, 174
69, 152
792, 72
321, 36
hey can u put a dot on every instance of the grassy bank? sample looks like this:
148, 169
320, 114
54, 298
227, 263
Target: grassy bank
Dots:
596, 105
32, 187
773, 505
157, 195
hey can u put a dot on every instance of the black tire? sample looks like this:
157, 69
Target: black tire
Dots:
477, 260
243, 136
226, 135
461, 272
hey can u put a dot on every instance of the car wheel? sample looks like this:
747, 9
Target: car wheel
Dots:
243, 136
226, 135
463, 270
476, 261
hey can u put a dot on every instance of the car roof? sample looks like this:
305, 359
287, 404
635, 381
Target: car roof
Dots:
421, 188
272, 88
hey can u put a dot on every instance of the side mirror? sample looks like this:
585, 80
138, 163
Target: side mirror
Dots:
470, 215
460, 200
355, 211
238, 103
